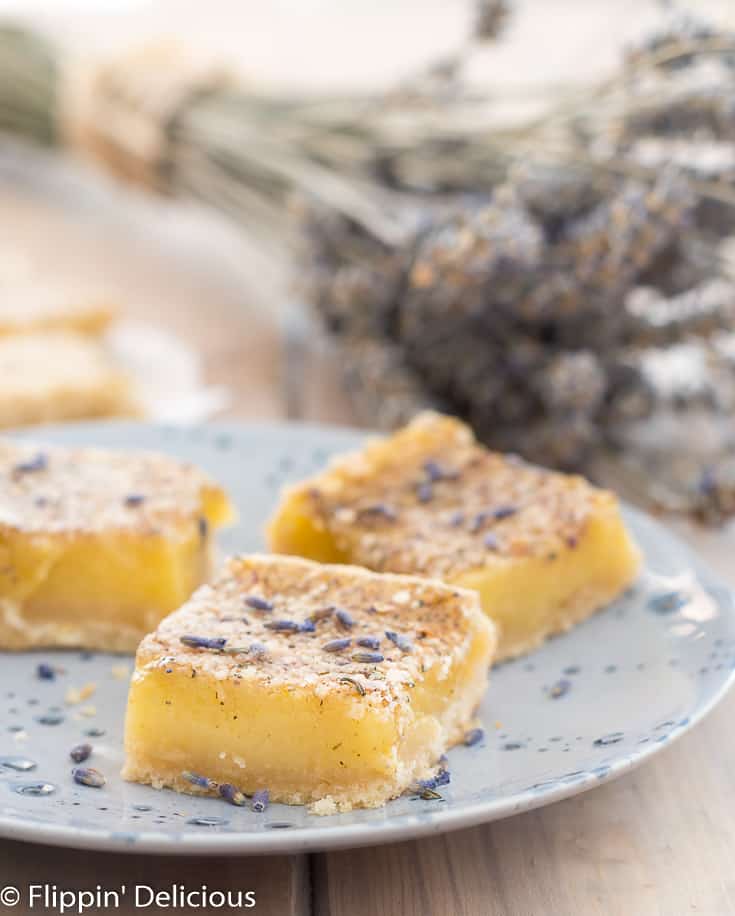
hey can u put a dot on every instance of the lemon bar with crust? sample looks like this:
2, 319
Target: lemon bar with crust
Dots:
97, 546
30, 307
544, 549
59, 375
328, 685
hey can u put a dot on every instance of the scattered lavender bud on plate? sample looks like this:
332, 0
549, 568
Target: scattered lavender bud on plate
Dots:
232, 795
473, 736
80, 753
86, 776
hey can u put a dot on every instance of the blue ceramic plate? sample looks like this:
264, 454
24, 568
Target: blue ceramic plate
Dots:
587, 707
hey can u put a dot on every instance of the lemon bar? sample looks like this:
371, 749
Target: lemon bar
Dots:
327, 685
97, 546
32, 307
59, 375
543, 549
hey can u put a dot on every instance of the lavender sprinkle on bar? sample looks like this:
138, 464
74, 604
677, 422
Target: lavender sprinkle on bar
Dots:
491, 541
39, 462
402, 642
80, 753
232, 795
353, 683
258, 604
368, 658
204, 642
345, 618
308, 626
424, 492
45, 672
433, 471
473, 736
134, 499
380, 509
504, 512
368, 642
86, 776
283, 626
261, 800
337, 645
203, 782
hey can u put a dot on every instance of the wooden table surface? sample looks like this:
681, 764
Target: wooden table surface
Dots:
660, 840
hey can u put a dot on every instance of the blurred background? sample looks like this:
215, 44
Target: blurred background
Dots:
520, 212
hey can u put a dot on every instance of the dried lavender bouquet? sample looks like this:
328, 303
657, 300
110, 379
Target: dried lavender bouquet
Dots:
565, 285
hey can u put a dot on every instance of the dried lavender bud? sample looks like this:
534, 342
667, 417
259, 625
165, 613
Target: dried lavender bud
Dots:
560, 689
443, 777
45, 672
368, 642
344, 618
202, 782
368, 658
308, 626
401, 642
80, 753
86, 776
473, 736
353, 683
379, 510
424, 492
260, 800
283, 626
258, 604
39, 462
336, 645
133, 500
232, 795
203, 642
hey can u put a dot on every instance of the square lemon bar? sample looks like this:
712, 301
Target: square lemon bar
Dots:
30, 307
59, 375
543, 549
97, 546
325, 685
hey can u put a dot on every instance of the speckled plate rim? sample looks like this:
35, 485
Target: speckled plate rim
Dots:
298, 839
